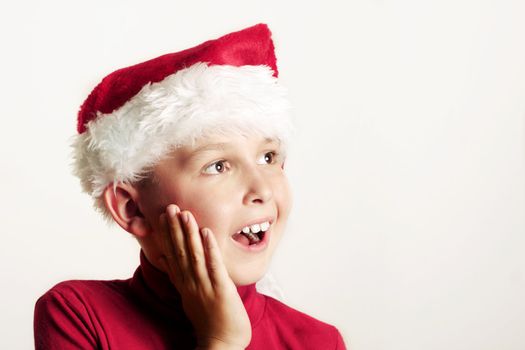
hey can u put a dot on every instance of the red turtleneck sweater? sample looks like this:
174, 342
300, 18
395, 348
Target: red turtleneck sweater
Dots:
145, 312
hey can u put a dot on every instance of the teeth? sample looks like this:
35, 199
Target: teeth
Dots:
253, 237
256, 228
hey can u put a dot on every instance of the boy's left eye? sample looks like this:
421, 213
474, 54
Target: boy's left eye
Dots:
268, 158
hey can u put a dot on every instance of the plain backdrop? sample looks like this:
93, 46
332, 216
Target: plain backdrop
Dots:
408, 167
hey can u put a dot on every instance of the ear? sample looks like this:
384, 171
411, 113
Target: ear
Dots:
122, 203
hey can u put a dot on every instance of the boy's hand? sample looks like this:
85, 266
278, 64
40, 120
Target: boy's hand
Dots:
209, 296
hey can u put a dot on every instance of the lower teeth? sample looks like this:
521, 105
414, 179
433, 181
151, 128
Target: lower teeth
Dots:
254, 238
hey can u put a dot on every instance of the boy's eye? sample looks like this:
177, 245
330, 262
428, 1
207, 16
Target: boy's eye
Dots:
215, 168
268, 158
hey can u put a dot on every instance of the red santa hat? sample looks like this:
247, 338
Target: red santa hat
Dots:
137, 114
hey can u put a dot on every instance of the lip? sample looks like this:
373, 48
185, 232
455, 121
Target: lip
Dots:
259, 247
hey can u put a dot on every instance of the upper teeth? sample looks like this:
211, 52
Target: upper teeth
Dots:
256, 227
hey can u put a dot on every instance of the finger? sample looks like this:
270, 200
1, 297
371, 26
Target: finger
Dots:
180, 256
216, 268
168, 250
195, 250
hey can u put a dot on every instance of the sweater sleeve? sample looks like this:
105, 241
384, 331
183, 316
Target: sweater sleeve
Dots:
62, 323
340, 344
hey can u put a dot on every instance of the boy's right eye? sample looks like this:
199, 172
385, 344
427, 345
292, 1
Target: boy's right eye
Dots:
215, 168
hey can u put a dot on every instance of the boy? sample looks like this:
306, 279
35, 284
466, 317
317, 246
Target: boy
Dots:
186, 152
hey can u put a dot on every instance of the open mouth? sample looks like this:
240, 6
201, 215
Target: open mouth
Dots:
252, 234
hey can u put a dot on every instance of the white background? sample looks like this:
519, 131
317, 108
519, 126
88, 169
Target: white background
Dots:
408, 168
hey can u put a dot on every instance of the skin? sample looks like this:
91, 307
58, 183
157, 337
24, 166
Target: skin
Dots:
217, 186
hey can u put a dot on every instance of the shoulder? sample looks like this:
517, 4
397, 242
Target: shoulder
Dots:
68, 316
78, 290
303, 325
275, 307
76, 297
79, 295
88, 286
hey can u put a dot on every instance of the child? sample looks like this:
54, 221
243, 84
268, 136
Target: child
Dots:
186, 152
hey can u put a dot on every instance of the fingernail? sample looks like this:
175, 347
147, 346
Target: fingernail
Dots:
186, 217
172, 210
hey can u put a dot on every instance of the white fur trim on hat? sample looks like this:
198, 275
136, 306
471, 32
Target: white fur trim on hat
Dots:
123, 145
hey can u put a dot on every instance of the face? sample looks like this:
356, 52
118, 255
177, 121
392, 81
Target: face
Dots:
228, 183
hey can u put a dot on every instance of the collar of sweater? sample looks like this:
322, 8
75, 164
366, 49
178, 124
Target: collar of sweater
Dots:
159, 295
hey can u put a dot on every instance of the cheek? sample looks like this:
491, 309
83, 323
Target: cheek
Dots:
210, 209
155, 199
283, 196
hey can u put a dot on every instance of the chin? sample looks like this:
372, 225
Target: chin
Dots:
244, 278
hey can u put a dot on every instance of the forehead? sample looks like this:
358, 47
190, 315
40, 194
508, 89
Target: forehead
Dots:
221, 142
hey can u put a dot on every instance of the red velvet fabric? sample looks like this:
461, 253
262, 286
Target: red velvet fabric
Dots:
145, 312
250, 46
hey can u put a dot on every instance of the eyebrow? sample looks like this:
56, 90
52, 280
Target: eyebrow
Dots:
223, 145
210, 147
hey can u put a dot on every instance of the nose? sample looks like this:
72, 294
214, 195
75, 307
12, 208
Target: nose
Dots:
258, 189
